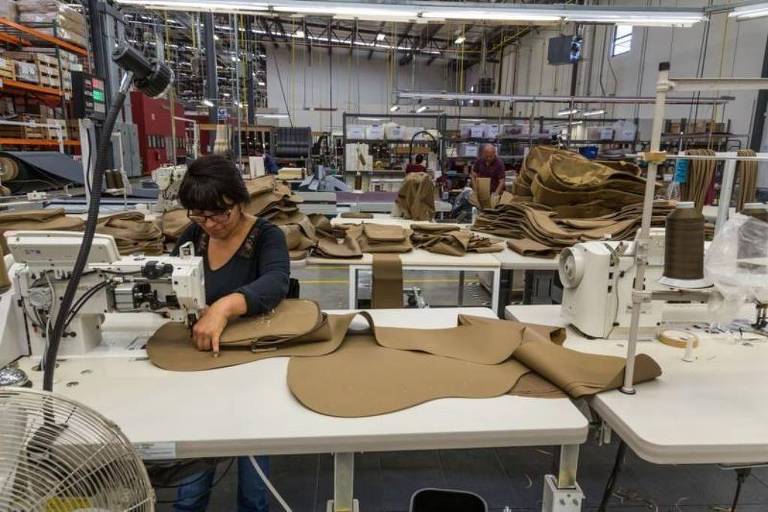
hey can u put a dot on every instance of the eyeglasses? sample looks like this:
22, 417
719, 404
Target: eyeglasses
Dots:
217, 218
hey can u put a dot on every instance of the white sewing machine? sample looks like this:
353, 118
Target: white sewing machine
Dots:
43, 261
597, 282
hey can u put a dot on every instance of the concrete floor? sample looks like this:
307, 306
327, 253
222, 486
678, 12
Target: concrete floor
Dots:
504, 477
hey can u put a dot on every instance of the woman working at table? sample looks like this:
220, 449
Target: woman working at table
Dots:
247, 273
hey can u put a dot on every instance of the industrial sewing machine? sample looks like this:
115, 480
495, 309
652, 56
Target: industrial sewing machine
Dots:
597, 282
43, 262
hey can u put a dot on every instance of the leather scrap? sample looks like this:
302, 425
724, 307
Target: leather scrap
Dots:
387, 292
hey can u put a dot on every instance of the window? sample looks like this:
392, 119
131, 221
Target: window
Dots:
622, 40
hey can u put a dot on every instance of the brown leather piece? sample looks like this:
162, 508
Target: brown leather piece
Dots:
173, 223
381, 238
52, 219
171, 347
387, 289
369, 379
451, 240
291, 319
416, 197
132, 233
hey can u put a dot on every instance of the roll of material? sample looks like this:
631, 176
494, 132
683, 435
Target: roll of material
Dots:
9, 169
684, 245
678, 339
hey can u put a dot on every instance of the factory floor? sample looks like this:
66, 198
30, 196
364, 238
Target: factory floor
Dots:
504, 477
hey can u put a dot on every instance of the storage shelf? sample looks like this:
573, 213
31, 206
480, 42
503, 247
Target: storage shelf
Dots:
14, 86
384, 141
42, 36
37, 142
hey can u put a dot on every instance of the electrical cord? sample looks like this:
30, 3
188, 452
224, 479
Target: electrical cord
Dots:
199, 495
741, 475
49, 359
611, 483
269, 484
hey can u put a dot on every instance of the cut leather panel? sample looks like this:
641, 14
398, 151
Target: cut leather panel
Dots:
530, 332
386, 238
132, 233
173, 223
383, 233
171, 347
53, 219
534, 386
362, 378
290, 319
528, 247
416, 197
580, 374
387, 292
491, 341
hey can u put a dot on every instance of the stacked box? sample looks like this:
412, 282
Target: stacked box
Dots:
70, 24
69, 62
9, 10
52, 132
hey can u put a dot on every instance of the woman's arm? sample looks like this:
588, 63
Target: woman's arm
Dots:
266, 292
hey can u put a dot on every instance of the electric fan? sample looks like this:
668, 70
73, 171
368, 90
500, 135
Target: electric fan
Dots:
57, 455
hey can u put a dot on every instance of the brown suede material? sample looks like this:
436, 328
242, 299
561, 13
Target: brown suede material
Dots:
132, 233
387, 282
53, 219
416, 197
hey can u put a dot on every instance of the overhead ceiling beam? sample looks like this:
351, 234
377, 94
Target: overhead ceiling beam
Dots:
265, 25
381, 27
426, 36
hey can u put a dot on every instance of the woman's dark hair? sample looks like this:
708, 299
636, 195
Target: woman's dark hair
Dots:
419, 159
212, 183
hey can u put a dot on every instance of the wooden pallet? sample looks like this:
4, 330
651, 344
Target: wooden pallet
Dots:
7, 68
48, 72
24, 132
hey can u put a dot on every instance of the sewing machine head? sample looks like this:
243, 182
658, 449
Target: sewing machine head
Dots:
597, 282
43, 263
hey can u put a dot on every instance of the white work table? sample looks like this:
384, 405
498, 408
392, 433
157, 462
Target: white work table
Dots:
422, 260
248, 409
511, 260
712, 410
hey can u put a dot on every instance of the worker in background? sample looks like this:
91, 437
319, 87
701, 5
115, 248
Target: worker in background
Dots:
489, 166
417, 165
247, 273
270, 166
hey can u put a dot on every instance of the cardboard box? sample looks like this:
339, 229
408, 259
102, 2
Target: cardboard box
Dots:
374, 132
491, 131
27, 72
355, 131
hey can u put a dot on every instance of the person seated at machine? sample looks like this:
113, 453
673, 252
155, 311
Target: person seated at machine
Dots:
489, 166
247, 272
417, 165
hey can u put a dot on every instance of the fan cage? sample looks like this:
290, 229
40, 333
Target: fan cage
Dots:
57, 455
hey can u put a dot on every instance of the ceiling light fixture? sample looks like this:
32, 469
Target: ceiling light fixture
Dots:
460, 40
492, 15
299, 33
272, 116
590, 113
662, 18
568, 112
750, 12
394, 108
421, 109
380, 37
207, 102
261, 83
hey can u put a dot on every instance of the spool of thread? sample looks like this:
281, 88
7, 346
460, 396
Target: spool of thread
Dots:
684, 248
758, 211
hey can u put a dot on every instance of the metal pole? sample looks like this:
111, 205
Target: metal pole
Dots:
726, 190
250, 57
211, 78
641, 247
343, 482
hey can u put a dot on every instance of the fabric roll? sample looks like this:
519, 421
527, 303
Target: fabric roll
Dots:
387, 282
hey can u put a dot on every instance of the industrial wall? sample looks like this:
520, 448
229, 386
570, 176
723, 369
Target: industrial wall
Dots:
720, 48
352, 82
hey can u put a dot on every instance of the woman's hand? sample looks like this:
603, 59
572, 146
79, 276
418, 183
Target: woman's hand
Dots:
207, 330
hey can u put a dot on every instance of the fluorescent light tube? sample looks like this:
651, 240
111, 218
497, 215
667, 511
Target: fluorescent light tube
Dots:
394, 108
273, 116
200, 5
358, 10
568, 112
261, 84
380, 37
421, 109
460, 40
371, 119
492, 15
651, 18
589, 113
575, 123
299, 33
207, 102
747, 12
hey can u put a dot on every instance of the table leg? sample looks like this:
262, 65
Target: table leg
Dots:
352, 287
461, 287
496, 294
343, 484
561, 492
